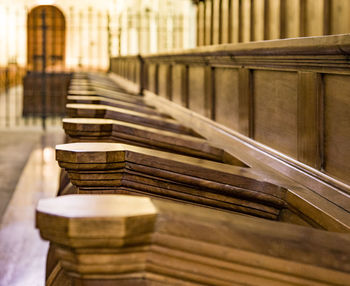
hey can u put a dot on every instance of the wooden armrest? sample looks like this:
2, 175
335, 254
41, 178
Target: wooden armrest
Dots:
101, 240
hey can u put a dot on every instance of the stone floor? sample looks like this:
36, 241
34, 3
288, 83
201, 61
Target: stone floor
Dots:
22, 252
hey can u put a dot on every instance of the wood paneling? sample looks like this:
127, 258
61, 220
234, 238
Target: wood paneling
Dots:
310, 101
280, 98
197, 89
245, 102
337, 126
152, 75
275, 110
177, 83
227, 97
163, 80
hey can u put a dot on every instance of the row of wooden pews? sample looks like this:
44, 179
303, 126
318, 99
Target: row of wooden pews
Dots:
197, 214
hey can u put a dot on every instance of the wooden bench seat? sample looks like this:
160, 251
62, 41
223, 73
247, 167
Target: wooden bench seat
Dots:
127, 240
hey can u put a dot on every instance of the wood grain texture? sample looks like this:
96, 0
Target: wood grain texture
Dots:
96, 129
167, 242
227, 97
178, 83
337, 127
196, 75
275, 110
310, 119
108, 166
163, 80
310, 193
245, 110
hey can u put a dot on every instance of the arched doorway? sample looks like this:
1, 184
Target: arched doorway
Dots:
55, 38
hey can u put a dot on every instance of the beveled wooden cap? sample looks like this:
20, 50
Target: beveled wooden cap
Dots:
95, 220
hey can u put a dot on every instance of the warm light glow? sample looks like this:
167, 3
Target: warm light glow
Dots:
45, 2
48, 154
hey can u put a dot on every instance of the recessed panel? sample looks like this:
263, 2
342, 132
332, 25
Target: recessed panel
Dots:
337, 126
197, 89
226, 97
275, 110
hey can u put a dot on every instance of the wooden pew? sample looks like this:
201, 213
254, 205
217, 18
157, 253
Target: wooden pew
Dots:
127, 240
303, 207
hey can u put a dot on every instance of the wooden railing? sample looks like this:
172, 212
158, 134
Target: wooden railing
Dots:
236, 21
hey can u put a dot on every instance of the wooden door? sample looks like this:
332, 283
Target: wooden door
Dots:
55, 38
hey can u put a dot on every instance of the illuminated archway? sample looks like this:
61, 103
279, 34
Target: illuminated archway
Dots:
55, 38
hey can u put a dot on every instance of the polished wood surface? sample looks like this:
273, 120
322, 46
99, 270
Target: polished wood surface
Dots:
274, 106
192, 221
101, 240
93, 167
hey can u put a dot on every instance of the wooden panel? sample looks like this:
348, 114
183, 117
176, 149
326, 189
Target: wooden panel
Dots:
201, 23
152, 77
337, 127
340, 20
177, 83
275, 110
245, 23
245, 102
225, 13
216, 21
258, 20
314, 18
163, 80
292, 18
309, 119
208, 22
197, 89
227, 99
